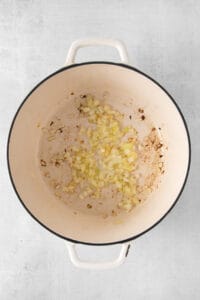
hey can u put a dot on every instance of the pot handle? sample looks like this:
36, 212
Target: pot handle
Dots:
97, 265
76, 45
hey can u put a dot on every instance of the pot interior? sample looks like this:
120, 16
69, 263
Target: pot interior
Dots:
126, 90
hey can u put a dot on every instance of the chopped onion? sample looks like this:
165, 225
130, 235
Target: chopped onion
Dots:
106, 159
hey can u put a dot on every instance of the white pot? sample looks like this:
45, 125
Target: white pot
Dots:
123, 82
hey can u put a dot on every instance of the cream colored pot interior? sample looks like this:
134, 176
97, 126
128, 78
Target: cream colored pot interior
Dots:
123, 85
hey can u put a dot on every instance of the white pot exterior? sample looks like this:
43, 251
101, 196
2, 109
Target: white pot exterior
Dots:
123, 84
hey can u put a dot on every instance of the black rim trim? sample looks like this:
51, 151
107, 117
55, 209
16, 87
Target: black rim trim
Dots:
184, 182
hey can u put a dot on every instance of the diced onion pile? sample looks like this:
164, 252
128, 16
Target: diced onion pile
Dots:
107, 158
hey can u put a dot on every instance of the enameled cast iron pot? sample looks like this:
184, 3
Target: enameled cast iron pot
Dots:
122, 81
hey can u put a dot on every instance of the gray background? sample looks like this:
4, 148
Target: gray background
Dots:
163, 40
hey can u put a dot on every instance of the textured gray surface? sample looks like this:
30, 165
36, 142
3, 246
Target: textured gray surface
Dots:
163, 39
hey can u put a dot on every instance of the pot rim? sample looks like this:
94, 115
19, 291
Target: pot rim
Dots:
188, 164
